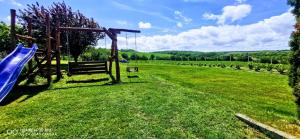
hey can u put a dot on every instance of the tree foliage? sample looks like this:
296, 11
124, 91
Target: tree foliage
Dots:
64, 15
294, 75
5, 38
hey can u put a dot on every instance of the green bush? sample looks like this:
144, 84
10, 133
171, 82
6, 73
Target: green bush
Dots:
263, 66
223, 66
257, 67
269, 67
250, 66
94, 54
237, 67
280, 68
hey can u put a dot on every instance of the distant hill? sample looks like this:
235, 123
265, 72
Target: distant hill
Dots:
280, 56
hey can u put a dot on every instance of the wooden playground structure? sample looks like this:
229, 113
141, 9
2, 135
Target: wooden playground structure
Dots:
42, 64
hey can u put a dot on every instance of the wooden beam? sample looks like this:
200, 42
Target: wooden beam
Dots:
81, 29
118, 31
13, 27
48, 45
109, 34
25, 37
112, 51
58, 53
29, 27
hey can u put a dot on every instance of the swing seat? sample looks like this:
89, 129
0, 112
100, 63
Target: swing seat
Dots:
132, 69
85, 67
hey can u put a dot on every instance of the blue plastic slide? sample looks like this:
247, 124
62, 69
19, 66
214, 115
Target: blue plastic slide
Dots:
11, 67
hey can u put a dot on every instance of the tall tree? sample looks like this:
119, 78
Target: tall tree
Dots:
294, 74
5, 40
61, 13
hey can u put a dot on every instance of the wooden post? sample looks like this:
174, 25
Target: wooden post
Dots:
29, 27
112, 51
118, 77
58, 53
48, 45
13, 27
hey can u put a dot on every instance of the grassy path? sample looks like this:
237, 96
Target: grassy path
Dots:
168, 101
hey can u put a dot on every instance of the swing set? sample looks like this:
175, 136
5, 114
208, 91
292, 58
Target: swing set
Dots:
92, 67
43, 57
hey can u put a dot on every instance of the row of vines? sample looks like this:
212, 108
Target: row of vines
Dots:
280, 68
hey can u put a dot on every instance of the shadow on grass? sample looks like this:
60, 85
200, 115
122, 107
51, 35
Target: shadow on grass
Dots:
19, 91
89, 81
111, 83
134, 82
82, 86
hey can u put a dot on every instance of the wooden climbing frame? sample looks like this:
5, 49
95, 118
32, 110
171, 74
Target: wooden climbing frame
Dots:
41, 56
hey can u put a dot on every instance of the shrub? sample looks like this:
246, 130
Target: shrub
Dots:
238, 67
223, 66
125, 56
280, 68
263, 66
269, 67
250, 66
257, 68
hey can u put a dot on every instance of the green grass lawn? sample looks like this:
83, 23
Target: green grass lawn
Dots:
167, 101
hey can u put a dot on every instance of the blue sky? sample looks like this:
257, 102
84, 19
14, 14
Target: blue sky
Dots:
200, 25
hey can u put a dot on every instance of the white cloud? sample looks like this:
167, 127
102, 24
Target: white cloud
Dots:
14, 2
144, 25
232, 13
179, 24
179, 15
7, 19
269, 34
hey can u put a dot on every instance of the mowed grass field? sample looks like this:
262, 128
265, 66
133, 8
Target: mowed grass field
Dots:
167, 101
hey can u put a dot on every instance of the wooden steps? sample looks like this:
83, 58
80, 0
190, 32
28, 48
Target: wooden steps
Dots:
44, 69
